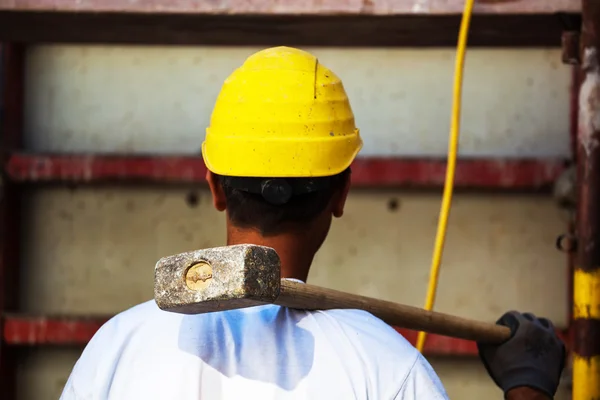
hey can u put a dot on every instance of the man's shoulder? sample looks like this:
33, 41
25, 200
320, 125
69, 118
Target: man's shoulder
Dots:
386, 356
137, 325
132, 318
368, 328
374, 341
139, 311
100, 356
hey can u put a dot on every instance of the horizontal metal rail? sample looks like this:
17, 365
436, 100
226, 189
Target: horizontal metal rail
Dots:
521, 174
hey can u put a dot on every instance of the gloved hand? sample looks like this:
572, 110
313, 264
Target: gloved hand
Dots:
534, 356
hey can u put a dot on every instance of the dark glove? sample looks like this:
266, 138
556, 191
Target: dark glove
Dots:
534, 356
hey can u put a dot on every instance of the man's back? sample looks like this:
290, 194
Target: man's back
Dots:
266, 352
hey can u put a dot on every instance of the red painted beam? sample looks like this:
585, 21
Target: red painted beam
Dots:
470, 173
366, 172
437, 345
12, 82
105, 168
35, 331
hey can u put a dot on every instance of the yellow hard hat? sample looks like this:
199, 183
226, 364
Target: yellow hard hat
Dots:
282, 115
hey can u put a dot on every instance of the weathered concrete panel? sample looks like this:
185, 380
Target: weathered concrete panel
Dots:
159, 99
43, 372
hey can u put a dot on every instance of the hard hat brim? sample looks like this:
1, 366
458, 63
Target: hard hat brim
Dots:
279, 158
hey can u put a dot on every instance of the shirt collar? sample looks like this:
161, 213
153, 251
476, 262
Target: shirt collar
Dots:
294, 280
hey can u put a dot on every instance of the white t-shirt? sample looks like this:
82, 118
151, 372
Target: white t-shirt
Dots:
265, 352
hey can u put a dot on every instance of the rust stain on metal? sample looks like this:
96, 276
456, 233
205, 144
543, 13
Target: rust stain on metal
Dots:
589, 101
585, 337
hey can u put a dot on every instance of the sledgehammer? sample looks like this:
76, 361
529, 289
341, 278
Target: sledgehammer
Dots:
231, 277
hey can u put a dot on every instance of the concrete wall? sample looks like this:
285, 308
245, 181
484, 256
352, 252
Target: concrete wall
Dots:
96, 247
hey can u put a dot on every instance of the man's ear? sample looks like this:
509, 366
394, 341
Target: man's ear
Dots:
216, 190
339, 201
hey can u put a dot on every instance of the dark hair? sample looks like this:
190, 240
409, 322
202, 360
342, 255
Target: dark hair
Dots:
251, 208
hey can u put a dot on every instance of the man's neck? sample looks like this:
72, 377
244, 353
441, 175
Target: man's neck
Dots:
525, 393
294, 250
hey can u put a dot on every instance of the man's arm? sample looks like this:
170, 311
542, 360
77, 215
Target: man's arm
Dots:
529, 364
525, 393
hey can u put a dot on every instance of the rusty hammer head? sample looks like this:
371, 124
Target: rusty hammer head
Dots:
217, 279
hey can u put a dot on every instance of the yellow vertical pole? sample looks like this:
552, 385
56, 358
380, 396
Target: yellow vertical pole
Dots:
586, 290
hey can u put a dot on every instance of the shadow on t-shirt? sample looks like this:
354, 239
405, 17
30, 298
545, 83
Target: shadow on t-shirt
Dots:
264, 343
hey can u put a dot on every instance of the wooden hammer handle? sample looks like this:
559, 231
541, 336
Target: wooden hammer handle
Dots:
309, 297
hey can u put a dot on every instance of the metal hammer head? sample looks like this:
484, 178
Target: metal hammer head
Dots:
217, 279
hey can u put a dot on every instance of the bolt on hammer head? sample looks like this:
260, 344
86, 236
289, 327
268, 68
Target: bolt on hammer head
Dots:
217, 279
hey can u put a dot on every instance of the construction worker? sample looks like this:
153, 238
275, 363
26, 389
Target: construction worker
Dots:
278, 150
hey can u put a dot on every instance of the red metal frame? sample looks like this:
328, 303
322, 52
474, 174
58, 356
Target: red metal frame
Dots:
11, 129
23, 330
366, 172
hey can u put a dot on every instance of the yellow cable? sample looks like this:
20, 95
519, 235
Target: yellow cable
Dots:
452, 151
